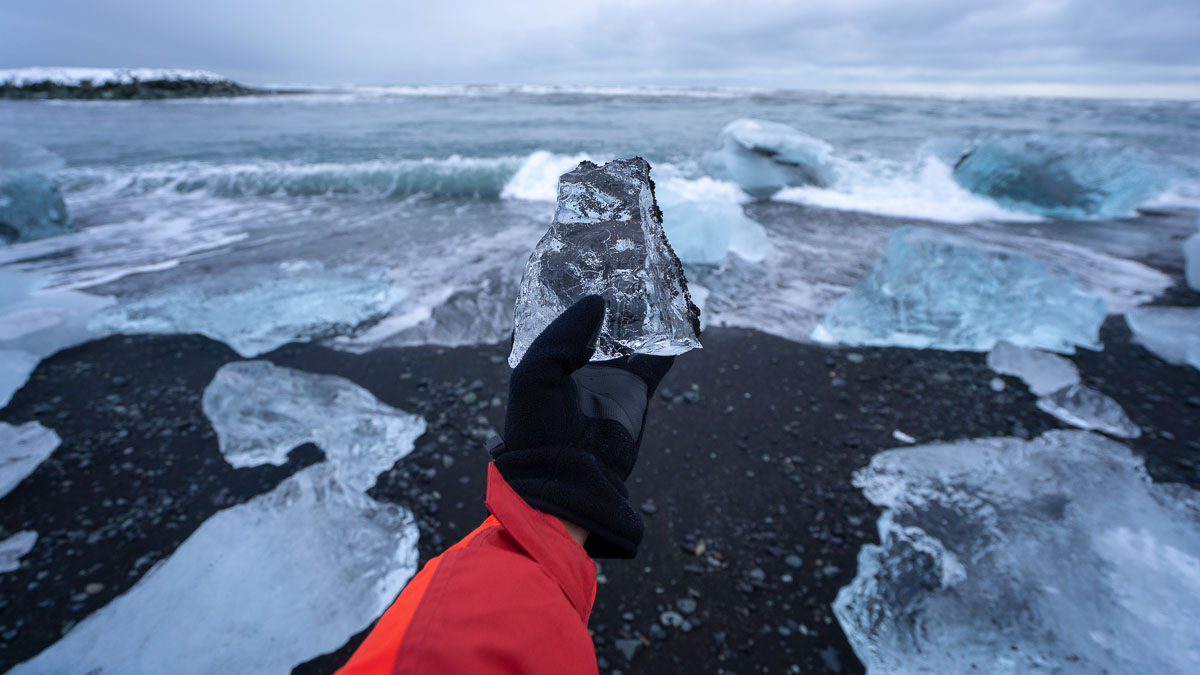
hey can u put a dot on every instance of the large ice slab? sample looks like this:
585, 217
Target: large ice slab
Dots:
764, 157
14, 548
1087, 408
705, 222
607, 239
942, 291
1043, 373
1061, 176
257, 308
1056, 555
292, 574
31, 204
22, 448
1171, 333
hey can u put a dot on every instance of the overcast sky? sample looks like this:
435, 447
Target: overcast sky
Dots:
1106, 47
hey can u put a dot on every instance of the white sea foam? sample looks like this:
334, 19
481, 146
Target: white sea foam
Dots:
537, 178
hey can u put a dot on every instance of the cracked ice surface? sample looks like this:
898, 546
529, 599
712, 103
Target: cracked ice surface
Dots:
1056, 555
607, 239
22, 449
257, 308
937, 290
1171, 333
292, 574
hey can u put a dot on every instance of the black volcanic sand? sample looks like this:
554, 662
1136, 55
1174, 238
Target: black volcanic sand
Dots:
752, 524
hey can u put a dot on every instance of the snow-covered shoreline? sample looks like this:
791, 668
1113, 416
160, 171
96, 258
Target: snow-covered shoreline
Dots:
116, 83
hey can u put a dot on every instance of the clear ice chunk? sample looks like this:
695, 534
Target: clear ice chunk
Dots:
287, 576
764, 157
1087, 408
1061, 176
31, 204
937, 290
1056, 555
1171, 333
14, 548
607, 239
1043, 373
22, 448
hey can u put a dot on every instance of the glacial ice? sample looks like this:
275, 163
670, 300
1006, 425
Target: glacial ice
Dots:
22, 449
1191, 255
1056, 555
35, 323
1043, 373
1087, 408
704, 221
257, 308
292, 574
31, 204
607, 239
942, 291
1171, 333
764, 157
14, 548
1061, 176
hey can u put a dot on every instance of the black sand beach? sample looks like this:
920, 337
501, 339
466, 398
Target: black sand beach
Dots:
752, 524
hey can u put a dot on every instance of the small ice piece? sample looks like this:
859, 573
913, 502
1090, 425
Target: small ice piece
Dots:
704, 222
1056, 555
257, 308
22, 449
607, 239
266, 585
1191, 254
765, 157
902, 437
1087, 408
14, 548
936, 290
1043, 373
31, 205
997, 385
1171, 333
1061, 176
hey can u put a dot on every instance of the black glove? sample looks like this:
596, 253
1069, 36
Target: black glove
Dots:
572, 430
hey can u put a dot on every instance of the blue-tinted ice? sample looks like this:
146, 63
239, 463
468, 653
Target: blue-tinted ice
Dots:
764, 157
1172, 333
607, 239
31, 205
1056, 555
941, 291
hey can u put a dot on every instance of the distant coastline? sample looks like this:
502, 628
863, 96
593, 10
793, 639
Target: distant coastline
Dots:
120, 84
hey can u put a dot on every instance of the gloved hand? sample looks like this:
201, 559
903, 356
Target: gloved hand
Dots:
573, 429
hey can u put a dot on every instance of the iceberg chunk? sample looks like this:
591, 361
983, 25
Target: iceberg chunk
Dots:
31, 205
764, 157
22, 449
704, 221
607, 239
257, 308
1061, 176
1043, 373
1056, 555
941, 291
14, 548
1171, 333
264, 586
1087, 408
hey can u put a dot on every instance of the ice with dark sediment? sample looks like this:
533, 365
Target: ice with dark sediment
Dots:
266, 585
31, 204
1043, 373
607, 239
931, 289
1056, 555
1171, 333
22, 448
764, 157
1061, 176
1087, 408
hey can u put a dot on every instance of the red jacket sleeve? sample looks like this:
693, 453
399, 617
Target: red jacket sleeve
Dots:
513, 596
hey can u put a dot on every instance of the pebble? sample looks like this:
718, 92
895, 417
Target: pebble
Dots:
997, 384
794, 561
648, 507
671, 619
685, 605
93, 588
628, 648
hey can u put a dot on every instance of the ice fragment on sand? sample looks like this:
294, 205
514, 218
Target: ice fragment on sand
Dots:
937, 290
607, 239
22, 448
1061, 176
292, 574
1043, 373
257, 308
1171, 333
705, 222
31, 205
13, 548
765, 157
1087, 408
1056, 555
